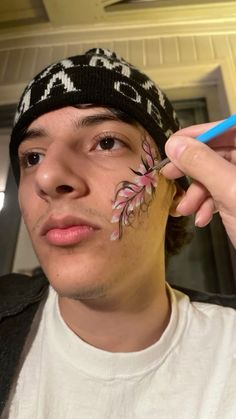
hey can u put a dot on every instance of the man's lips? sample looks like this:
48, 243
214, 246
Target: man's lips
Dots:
69, 235
67, 230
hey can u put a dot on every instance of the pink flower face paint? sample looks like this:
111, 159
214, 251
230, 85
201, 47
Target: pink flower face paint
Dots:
132, 198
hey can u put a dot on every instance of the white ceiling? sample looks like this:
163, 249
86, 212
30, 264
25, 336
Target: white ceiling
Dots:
16, 14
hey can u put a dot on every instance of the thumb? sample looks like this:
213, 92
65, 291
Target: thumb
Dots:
200, 162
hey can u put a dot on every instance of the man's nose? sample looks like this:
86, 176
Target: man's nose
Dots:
60, 174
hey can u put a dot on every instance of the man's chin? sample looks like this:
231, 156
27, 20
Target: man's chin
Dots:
78, 284
83, 293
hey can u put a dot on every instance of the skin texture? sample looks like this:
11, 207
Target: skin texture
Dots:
102, 285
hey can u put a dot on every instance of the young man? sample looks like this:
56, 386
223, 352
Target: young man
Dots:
108, 338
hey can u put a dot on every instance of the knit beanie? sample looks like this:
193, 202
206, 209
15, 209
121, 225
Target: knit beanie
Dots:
98, 77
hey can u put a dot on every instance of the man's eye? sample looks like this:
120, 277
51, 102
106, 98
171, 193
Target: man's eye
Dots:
30, 159
109, 143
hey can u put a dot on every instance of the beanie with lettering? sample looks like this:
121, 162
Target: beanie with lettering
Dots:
98, 77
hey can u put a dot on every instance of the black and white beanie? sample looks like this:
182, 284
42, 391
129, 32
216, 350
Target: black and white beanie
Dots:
99, 77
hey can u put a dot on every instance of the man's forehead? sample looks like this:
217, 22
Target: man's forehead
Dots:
71, 112
76, 117
80, 115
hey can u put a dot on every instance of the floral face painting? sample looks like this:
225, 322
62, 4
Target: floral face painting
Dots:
132, 198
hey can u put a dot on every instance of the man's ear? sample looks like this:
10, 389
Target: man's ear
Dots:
177, 197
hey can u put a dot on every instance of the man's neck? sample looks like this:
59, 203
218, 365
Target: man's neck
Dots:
120, 329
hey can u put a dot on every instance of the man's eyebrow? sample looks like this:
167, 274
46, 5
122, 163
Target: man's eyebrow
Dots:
31, 133
95, 119
86, 121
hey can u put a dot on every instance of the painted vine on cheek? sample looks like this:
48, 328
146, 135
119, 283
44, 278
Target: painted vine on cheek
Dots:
132, 198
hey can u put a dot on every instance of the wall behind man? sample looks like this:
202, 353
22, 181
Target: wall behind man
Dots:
186, 34
22, 57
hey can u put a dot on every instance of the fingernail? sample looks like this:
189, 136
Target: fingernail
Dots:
181, 205
175, 146
197, 221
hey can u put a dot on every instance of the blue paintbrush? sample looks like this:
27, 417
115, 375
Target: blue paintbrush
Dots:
206, 136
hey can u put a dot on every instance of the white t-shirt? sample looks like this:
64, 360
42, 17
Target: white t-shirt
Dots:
190, 373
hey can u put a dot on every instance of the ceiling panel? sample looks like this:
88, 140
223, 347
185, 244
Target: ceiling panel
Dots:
59, 13
21, 12
159, 3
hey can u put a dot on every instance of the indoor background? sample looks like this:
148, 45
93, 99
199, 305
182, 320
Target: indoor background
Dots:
188, 47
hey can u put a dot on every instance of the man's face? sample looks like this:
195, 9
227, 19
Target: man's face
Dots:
72, 162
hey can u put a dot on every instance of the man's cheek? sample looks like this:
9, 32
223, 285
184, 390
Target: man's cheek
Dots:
25, 214
134, 197
28, 214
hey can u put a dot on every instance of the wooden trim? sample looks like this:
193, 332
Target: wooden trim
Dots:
219, 73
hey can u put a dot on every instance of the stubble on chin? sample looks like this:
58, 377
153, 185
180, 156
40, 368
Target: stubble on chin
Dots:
95, 290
